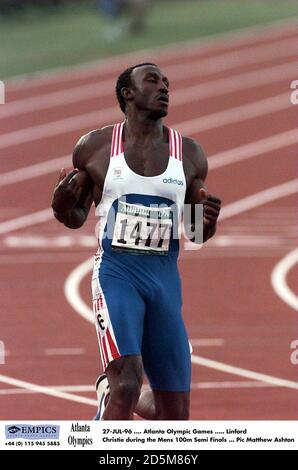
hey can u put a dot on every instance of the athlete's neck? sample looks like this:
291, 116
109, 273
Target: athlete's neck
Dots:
140, 128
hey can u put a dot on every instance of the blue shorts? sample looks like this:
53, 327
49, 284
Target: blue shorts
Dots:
137, 308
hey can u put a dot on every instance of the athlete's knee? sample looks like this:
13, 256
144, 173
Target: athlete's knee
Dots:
126, 391
125, 378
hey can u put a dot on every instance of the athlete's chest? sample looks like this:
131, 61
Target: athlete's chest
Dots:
165, 180
147, 161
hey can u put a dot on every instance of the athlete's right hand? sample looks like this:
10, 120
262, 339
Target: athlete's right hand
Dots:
66, 192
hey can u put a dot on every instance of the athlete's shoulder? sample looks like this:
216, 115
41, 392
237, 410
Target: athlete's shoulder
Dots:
91, 143
194, 153
94, 139
192, 147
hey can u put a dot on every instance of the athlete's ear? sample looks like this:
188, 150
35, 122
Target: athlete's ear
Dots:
127, 93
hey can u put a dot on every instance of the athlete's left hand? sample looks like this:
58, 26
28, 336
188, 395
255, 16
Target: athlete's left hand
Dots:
212, 205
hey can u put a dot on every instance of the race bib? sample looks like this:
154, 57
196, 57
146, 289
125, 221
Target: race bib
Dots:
142, 230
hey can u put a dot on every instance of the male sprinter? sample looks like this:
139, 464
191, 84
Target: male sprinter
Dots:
139, 173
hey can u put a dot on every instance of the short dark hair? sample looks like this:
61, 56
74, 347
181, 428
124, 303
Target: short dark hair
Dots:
124, 80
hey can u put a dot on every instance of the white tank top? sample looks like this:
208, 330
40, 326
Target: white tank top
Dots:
121, 180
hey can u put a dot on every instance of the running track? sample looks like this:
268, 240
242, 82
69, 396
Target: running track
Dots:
232, 94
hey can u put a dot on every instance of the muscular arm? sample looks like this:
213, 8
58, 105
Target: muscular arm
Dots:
197, 192
72, 197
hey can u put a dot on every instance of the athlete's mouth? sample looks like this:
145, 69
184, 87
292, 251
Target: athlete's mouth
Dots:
163, 98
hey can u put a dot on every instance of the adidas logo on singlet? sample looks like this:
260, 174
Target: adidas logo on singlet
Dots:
171, 181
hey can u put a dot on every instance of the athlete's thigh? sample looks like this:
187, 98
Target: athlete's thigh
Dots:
165, 351
119, 314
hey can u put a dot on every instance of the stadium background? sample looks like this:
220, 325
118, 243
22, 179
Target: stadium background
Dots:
231, 64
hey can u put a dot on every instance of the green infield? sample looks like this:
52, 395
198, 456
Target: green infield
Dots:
44, 39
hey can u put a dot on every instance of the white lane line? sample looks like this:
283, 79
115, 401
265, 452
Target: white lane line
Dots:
71, 290
64, 351
195, 385
46, 390
40, 258
221, 63
203, 123
240, 82
50, 129
241, 37
202, 342
39, 241
249, 374
279, 279
73, 281
196, 69
236, 114
251, 237
250, 202
62, 388
253, 149
237, 154
259, 199
34, 171
26, 221
238, 253
231, 384
250, 240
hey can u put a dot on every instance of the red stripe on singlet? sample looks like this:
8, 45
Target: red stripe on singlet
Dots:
180, 146
117, 140
174, 145
113, 140
177, 135
121, 139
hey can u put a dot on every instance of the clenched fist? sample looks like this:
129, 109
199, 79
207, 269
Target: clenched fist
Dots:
68, 189
211, 205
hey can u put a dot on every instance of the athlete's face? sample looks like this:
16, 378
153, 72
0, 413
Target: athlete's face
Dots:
150, 91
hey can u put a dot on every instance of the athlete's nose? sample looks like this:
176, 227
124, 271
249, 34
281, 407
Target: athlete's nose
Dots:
163, 93
163, 88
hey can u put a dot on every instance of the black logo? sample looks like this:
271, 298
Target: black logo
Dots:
13, 429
